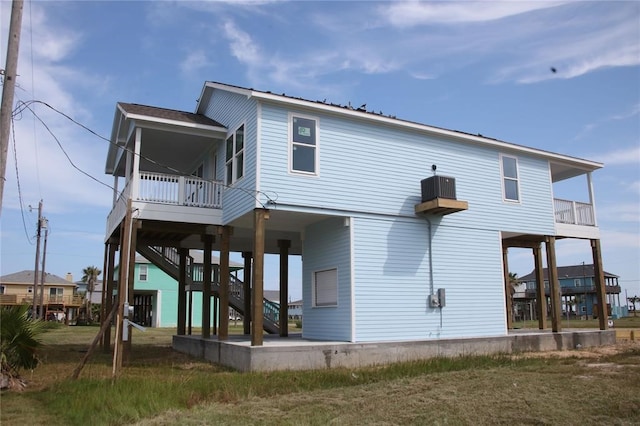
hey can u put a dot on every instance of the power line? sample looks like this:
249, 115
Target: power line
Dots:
65, 152
15, 158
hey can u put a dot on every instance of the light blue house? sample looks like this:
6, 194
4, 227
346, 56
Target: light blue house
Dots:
390, 216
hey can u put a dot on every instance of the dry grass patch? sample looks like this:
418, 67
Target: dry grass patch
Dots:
161, 387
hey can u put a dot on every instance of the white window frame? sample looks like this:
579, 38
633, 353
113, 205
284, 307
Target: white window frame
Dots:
505, 178
577, 282
235, 155
144, 268
316, 146
325, 297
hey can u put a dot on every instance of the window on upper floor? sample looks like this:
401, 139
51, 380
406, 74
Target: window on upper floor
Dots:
30, 289
303, 145
325, 288
577, 282
234, 158
143, 271
510, 180
55, 294
531, 285
2, 289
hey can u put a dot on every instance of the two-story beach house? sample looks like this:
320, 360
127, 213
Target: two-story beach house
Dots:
389, 216
577, 291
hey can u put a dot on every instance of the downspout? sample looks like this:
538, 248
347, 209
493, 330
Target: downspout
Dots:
432, 292
431, 284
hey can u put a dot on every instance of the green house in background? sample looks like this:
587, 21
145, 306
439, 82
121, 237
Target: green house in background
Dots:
156, 293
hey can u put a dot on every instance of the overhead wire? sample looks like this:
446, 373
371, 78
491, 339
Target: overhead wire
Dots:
15, 158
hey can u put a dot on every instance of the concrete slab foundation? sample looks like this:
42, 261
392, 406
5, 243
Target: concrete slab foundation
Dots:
295, 353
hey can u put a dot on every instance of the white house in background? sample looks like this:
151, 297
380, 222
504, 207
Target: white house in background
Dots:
391, 217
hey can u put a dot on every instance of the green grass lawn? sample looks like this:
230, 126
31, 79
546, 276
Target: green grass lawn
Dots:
162, 387
627, 322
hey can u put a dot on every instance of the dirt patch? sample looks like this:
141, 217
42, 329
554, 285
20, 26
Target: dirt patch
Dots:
591, 352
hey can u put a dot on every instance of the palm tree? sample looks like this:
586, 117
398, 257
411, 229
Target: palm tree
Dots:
633, 300
18, 344
90, 277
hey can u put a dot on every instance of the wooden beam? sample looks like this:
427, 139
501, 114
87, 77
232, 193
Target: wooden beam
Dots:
247, 255
541, 297
178, 228
182, 293
125, 246
130, 289
441, 206
601, 291
531, 242
257, 315
206, 288
284, 287
225, 233
554, 286
507, 288
107, 292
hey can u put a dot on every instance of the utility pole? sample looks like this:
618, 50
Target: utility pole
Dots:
34, 314
8, 88
44, 258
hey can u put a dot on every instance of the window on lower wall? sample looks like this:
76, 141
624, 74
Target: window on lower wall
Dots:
303, 145
325, 288
510, 180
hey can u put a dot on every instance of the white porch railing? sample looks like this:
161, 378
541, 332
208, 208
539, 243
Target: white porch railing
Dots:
179, 190
574, 212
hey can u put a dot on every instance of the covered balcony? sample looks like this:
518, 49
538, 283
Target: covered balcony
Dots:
164, 162
574, 219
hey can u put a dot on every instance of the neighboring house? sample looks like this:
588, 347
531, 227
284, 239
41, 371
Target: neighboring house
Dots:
295, 309
96, 295
390, 216
59, 298
156, 293
577, 289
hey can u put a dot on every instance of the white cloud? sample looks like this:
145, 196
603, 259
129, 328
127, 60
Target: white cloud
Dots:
630, 155
620, 239
631, 113
412, 13
194, 61
43, 168
620, 212
242, 46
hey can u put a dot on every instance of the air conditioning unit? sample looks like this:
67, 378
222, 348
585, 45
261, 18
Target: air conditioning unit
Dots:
438, 187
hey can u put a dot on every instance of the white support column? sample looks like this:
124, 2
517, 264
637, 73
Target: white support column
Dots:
115, 190
135, 178
592, 199
181, 191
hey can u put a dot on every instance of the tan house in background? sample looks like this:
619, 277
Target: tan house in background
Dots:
60, 300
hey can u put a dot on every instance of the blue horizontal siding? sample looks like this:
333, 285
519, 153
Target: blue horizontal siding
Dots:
375, 169
327, 246
232, 110
392, 283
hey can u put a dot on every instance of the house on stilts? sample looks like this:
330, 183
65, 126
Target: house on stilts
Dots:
390, 217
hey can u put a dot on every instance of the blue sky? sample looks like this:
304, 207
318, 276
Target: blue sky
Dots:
479, 67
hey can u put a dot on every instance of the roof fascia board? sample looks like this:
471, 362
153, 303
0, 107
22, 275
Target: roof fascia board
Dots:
175, 123
587, 165
209, 132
